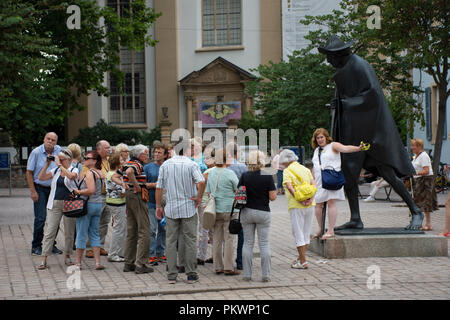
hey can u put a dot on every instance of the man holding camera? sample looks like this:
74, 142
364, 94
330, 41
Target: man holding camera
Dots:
40, 190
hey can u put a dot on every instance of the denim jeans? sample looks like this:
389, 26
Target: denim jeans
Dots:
88, 226
40, 214
256, 221
280, 179
157, 234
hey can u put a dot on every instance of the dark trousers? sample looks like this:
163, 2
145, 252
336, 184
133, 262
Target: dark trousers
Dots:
240, 244
40, 214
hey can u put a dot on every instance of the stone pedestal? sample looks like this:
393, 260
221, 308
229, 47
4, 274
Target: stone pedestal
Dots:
381, 245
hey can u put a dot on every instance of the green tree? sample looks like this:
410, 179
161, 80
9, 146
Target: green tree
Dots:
291, 96
44, 66
413, 34
88, 137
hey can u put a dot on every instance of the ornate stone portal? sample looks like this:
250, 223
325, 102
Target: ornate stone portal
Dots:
218, 81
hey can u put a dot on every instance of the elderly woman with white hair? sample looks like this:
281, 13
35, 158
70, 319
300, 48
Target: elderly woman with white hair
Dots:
301, 212
256, 216
124, 152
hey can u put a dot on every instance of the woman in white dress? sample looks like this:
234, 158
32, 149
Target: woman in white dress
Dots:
330, 157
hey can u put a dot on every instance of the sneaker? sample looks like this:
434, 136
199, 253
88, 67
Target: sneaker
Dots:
115, 259
143, 269
162, 259
129, 267
153, 261
192, 278
369, 199
89, 254
36, 251
55, 250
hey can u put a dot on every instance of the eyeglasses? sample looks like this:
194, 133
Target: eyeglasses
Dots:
87, 158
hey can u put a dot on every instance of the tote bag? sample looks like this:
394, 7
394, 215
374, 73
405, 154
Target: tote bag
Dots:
209, 214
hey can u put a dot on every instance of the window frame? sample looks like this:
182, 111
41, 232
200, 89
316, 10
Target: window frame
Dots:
228, 45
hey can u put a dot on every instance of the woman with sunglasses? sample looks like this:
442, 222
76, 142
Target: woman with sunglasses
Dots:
88, 224
64, 176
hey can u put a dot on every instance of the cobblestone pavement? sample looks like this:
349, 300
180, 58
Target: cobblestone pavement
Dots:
401, 278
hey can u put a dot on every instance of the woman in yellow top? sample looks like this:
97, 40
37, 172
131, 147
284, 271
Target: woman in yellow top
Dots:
301, 212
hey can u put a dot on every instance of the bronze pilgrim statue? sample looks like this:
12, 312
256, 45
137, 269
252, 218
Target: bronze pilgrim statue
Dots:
362, 114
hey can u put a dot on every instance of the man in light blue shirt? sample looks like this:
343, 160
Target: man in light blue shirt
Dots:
40, 190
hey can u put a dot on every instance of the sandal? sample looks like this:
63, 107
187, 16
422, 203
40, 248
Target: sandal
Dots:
444, 234
316, 236
327, 236
232, 272
68, 262
98, 266
426, 228
43, 266
219, 271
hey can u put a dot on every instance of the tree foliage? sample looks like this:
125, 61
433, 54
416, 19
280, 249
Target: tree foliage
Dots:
44, 66
291, 96
88, 137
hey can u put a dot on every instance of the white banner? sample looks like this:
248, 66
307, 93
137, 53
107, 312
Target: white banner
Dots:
295, 10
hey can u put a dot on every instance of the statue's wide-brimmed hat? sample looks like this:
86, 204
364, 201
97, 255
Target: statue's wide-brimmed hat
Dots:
334, 44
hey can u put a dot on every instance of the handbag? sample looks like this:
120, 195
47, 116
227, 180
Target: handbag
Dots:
235, 225
303, 191
331, 179
74, 206
209, 214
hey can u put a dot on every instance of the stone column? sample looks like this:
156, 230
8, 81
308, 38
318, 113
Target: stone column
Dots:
165, 131
189, 121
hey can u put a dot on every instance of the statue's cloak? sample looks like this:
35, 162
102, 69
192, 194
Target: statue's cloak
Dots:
362, 114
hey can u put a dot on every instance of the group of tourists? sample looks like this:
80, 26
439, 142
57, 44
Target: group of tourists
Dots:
156, 209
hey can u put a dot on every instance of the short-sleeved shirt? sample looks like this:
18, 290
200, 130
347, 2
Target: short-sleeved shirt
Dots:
178, 176
152, 172
37, 160
226, 188
201, 162
113, 191
288, 176
138, 169
238, 168
421, 161
257, 186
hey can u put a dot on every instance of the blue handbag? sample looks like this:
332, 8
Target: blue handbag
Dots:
331, 179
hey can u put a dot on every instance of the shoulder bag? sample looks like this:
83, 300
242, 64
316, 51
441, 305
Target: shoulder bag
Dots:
209, 214
235, 225
302, 191
75, 206
331, 179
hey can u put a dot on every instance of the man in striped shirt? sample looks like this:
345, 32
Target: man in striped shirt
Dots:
138, 223
184, 185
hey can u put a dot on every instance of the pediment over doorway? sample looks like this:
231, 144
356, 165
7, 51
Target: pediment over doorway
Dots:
219, 71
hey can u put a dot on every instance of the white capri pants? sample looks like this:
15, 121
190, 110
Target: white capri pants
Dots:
301, 221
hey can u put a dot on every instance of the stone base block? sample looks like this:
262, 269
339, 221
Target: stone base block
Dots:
365, 246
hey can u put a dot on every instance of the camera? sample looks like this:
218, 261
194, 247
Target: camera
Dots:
51, 158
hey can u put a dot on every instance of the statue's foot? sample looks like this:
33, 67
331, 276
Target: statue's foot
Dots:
351, 225
416, 221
